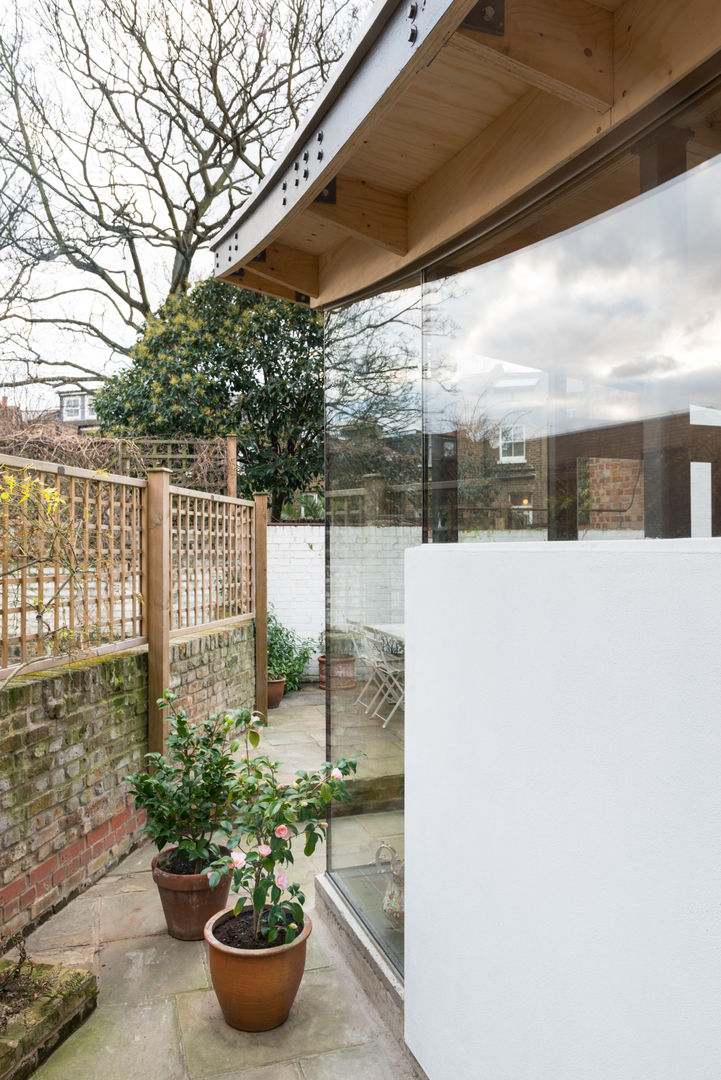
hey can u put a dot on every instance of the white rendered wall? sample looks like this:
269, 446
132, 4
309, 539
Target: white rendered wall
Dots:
563, 811
296, 578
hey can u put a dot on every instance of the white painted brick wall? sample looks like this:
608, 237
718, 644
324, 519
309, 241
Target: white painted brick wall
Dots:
296, 578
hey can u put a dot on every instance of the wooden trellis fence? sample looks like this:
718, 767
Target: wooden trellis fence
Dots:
93, 563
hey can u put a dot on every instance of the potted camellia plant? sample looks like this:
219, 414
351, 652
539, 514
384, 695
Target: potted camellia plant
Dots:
257, 948
288, 656
188, 795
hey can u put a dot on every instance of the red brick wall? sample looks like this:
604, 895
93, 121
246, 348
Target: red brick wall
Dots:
615, 493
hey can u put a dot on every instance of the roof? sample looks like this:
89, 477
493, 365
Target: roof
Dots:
441, 117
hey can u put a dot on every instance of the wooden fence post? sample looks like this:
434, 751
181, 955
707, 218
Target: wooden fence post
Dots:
260, 592
157, 600
231, 466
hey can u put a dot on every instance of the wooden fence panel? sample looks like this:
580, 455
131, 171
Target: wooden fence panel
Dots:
83, 569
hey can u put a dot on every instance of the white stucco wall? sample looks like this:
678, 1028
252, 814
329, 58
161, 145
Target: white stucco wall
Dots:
296, 578
563, 811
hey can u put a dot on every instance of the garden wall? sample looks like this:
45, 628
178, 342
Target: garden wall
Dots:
67, 739
296, 579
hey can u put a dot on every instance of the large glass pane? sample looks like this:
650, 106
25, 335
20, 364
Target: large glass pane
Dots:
572, 387
374, 512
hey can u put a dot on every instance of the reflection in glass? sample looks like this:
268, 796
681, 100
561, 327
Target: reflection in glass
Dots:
570, 391
578, 379
374, 512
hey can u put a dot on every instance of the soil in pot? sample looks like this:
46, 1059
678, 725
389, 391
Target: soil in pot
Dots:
255, 987
187, 898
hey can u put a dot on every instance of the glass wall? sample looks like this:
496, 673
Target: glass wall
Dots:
558, 381
374, 512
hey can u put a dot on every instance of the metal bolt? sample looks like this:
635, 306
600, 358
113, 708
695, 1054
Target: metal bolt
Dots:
320, 155
489, 13
305, 174
413, 35
320, 136
412, 11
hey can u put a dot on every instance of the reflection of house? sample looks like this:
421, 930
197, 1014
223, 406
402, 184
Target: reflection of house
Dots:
537, 182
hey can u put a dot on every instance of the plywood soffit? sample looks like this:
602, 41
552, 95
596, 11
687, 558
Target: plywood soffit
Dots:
564, 47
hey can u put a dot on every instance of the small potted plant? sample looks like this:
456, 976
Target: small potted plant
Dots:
337, 658
288, 656
257, 947
188, 796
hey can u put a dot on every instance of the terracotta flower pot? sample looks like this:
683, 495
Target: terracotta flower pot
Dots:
188, 900
342, 672
255, 987
275, 692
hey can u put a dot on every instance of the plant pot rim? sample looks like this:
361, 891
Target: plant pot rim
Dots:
276, 680
178, 882
276, 950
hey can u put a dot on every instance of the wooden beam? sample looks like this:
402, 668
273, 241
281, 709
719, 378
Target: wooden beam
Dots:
366, 212
288, 267
244, 278
564, 47
656, 44
519, 148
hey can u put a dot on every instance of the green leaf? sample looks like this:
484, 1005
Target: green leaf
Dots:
253, 738
297, 912
273, 934
290, 935
311, 841
214, 879
326, 792
259, 894
239, 905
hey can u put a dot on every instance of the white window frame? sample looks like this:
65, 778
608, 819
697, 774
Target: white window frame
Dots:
74, 411
509, 435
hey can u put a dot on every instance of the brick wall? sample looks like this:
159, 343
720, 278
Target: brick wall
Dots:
67, 739
296, 579
615, 493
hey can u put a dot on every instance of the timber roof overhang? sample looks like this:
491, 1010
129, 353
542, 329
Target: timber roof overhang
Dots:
443, 118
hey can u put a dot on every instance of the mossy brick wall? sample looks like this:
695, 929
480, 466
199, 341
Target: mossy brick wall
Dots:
210, 672
67, 739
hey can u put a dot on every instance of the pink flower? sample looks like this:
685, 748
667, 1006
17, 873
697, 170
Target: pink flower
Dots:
264, 849
283, 832
336, 774
323, 824
256, 719
281, 880
238, 859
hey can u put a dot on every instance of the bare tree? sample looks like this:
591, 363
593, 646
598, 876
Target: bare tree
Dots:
131, 131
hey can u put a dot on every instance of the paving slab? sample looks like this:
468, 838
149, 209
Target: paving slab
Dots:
328, 1014
141, 970
73, 926
138, 860
268, 1072
379, 1061
112, 885
120, 1042
131, 915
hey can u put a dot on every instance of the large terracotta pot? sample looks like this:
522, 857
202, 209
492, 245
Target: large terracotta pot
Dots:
188, 900
255, 987
342, 672
275, 692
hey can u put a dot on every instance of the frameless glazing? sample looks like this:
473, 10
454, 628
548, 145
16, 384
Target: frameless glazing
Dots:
569, 389
572, 388
374, 512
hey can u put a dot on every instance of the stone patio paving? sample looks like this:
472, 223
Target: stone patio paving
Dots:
157, 1016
